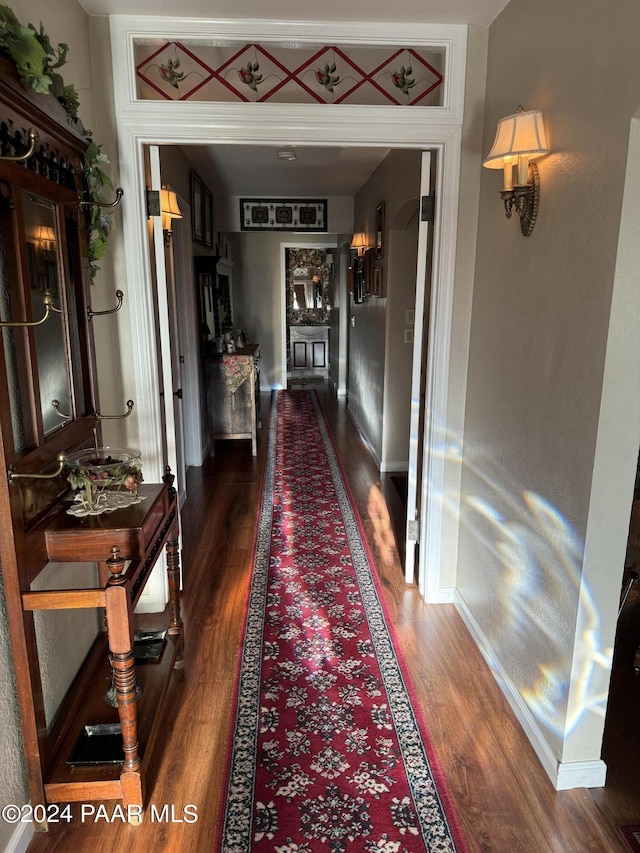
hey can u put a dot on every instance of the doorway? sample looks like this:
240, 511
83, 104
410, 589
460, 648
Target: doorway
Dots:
187, 123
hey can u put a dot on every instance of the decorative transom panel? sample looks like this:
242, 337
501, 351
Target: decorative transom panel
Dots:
405, 76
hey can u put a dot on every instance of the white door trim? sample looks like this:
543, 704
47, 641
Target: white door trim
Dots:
180, 123
422, 267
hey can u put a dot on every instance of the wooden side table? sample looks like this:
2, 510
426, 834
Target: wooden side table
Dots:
127, 544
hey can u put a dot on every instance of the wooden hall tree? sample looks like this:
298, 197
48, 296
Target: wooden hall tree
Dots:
49, 409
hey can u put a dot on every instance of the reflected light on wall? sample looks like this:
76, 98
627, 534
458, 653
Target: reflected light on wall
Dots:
536, 557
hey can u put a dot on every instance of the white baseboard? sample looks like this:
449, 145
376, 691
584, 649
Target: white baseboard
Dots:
395, 467
581, 774
21, 838
444, 595
563, 775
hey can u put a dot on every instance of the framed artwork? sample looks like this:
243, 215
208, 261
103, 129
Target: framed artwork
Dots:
358, 280
379, 230
369, 264
377, 281
207, 218
279, 214
197, 193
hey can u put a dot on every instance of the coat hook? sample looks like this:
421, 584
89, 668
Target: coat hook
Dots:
116, 417
119, 194
32, 136
62, 460
47, 301
119, 296
56, 406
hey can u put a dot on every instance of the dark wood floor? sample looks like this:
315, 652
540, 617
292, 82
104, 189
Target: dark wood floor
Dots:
504, 800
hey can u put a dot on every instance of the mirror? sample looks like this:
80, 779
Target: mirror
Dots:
214, 288
43, 259
307, 289
308, 275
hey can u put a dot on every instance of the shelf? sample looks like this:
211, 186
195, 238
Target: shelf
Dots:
67, 783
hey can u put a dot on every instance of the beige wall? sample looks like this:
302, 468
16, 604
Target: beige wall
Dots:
377, 324
539, 331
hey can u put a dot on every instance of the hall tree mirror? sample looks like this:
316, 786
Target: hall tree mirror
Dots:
42, 242
213, 286
46, 346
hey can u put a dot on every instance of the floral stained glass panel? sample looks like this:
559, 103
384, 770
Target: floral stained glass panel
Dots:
328, 74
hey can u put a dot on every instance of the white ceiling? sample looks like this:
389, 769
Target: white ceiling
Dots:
256, 170
409, 11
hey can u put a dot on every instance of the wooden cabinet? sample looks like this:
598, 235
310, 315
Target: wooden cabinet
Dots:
233, 395
309, 351
48, 408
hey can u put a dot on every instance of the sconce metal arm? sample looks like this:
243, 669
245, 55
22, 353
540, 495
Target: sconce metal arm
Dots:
116, 417
47, 301
62, 459
32, 136
525, 199
115, 203
119, 296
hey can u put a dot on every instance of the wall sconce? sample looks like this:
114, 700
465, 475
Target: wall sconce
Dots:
169, 209
520, 138
358, 243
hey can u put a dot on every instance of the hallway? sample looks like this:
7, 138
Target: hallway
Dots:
503, 798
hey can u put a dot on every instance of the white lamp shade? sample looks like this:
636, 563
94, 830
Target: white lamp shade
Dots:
46, 234
358, 242
518, 135
169, 204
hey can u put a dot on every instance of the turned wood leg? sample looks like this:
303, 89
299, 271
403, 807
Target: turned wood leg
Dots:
120, 633
173, 574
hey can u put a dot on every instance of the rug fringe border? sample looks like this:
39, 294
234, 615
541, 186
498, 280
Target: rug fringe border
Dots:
228, 749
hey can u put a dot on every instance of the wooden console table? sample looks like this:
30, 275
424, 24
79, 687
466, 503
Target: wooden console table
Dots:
137, 534
233, 389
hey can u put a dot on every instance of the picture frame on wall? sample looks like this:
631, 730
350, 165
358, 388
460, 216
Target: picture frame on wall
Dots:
379, 231
358, 280
197, 192
369, 264
207, 218
377, 281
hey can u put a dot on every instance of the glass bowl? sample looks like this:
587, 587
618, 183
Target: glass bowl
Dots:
95, 471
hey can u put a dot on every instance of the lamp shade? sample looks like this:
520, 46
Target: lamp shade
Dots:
518, 135
169, 204
358, 242
45, 234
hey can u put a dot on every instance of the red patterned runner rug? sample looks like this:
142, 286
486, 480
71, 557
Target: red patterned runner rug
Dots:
327, 754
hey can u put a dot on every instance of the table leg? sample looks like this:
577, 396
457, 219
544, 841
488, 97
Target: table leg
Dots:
173, 574
120, 633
